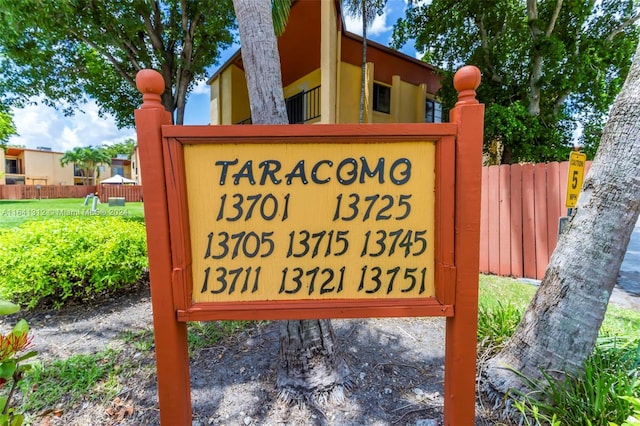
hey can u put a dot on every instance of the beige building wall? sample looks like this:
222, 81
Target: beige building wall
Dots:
329, 60
349, 98
40, 167
239, 95
135, 166
42, 163
2, 172
305, 83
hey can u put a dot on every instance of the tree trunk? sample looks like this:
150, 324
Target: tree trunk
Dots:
536, 58
261, 62
560, 326
309, 367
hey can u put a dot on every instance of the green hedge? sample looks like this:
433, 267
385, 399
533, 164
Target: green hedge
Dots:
51, 261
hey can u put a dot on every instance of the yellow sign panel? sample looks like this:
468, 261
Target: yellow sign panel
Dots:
577, 161
311, 221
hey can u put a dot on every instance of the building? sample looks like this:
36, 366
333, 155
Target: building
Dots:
135, 166
23, 166
321, 75
120, 165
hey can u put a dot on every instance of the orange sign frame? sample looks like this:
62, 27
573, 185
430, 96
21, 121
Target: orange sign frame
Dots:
458, 167
179, 138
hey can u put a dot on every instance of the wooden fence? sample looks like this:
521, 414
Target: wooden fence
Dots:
521, 207
26, 192
130, 193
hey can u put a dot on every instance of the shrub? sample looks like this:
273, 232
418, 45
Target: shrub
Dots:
599, 396
51, 261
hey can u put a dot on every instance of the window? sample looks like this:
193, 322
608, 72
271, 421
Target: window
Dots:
117, 170
432, 112
381, 98
11, 166
14, 180
77, 170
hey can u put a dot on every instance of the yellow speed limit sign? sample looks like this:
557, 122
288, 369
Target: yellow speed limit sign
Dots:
577, 161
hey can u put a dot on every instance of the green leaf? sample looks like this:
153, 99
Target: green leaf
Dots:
7, 368
18, 419
583, 63
24, 357
8, 308
21, 328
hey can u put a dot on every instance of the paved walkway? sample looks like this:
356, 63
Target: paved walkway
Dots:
629, 278
626, 293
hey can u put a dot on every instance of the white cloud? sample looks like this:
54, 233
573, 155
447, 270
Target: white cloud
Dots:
201, 88
40, 125
378, 26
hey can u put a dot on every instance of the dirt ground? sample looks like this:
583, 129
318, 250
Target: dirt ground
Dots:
396, 364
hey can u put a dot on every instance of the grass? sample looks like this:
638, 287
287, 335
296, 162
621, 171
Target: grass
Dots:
496, 291
208, 333
45, 386
611, 374
15, 212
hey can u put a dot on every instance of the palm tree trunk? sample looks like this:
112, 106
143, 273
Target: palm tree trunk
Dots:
309, 366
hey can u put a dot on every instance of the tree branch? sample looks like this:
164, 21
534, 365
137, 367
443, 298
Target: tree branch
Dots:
554, 18
154, 31
560, 100
622, 26
532, 18
484, 42
104, 52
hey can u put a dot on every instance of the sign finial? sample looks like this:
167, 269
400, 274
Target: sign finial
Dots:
466, 81
151, 84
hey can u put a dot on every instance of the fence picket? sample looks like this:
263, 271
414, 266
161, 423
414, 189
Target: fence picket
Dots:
528, 222
505, 223
515, 220
484, 221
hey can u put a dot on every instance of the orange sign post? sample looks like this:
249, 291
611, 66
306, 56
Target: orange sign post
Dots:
322, 221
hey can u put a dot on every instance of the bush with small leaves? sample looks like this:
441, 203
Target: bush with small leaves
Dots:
53, 261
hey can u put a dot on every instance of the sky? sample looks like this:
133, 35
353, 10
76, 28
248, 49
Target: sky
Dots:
42, 126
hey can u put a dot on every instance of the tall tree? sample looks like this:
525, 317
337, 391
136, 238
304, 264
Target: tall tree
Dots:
559, 328
88, 159
550, 65
65, 50
309, 364
367, 10
126, 147
7, 127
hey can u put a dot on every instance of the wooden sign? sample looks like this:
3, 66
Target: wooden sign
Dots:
312, 221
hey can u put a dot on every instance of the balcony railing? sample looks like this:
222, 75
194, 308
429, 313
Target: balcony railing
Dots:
301, 107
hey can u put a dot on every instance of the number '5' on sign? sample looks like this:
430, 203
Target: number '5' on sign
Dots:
577, 161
